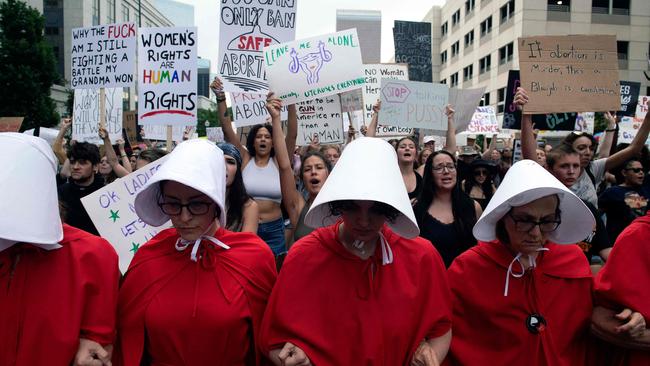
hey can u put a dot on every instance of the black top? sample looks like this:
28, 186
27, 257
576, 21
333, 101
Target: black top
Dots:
598, 239
443, 237
418, 187
622, 205
70, 195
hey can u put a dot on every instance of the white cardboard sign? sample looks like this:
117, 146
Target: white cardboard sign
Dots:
484, 121
413, 104
321, 117
85, 118
250, 109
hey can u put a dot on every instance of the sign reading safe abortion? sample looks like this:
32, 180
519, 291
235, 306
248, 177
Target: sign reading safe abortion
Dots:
103, 56
167, 76
321, 117
413, 47
111, 210
413, 104
570, 73
85, 118
314, 67
244, 32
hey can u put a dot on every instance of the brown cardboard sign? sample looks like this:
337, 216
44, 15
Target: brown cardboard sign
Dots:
129, 123
10, 124
570, 73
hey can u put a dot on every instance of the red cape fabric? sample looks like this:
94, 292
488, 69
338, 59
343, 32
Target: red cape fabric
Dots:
624, 281
248, 266
489, 328
342, 310
51, 298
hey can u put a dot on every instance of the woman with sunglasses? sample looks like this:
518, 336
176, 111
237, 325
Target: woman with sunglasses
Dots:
519, 297
195, 293
479, 186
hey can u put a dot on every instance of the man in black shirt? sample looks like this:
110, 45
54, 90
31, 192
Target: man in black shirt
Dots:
84, 160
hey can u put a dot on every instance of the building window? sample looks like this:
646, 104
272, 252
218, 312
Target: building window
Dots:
443, 57
616, 7
486, 26
485, 100
455, 19
484, 64
621, 49
125, 13
52, 3
469, 38
111, 11
468, 72
501, 100
507, 11
559, 5
454, 80
444, 28
455, 49
469, 6
505, 53
51, 31
95, 10
443, 81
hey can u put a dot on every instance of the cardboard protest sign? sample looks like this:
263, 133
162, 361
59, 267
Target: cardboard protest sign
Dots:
314, 67
130, 125
393, 131
627, 131
159, 132
413, 104
351, 101
245, 29
464, 102
85, 118
413, 47
167, 72
10, 124
215, 134
103, 56
570, 73
250, 109
484, 121
373, 74
544, 122
111, 210
629, 98
321, 117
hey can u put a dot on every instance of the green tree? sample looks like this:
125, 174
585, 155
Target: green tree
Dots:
27, 66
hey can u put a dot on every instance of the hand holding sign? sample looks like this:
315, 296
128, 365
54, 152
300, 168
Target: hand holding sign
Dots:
521, 98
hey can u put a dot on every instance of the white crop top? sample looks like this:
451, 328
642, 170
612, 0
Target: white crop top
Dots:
262, 183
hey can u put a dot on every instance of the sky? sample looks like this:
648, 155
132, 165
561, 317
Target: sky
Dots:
314, 17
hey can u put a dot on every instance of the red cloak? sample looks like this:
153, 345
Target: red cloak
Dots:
342, 310
173, 311
624, 281
51, 298
491, 329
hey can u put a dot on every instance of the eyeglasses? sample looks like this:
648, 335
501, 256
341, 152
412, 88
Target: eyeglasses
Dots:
635, 170
195, 208
440, 168
528, 225
480, 172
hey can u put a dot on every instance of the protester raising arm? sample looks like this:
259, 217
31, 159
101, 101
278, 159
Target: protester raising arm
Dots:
371, 131
528, 141
637, 144
229, 134
57, 146
292, 128
608, 139
493, 146
450, 144
119, 170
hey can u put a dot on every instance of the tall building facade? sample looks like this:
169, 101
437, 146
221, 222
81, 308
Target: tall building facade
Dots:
477, 39
368, 25
181, 14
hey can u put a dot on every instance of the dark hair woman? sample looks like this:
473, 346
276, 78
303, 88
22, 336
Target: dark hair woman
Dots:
242, 212
479, 186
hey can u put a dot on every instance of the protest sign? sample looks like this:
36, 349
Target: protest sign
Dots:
627, 131
10, 124
103, 56
570, 73
130, 125
215, 134
393, 131
351, 101
321, 117
244, 31
159, 132
484, 121
629, 98
464, 103
373, 74
85, 118
111, 210
314, 67
250, 109
585, 122
544, 122
167, 72
413, 47
516, 151
641, 107
413, 104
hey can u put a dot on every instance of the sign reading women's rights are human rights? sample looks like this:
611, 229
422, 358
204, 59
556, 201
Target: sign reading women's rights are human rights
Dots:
314, 67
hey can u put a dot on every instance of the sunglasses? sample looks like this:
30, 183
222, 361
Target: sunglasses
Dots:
481, 172
635, 170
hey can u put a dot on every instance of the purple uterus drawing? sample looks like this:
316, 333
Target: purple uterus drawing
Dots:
310, 63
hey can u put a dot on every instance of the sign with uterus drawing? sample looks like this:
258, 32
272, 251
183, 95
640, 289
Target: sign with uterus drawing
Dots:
314, 67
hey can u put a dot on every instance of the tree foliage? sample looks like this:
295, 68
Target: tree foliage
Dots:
27, 66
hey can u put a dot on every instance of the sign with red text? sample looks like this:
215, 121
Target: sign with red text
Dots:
250, 109
484, 121
373, 73
246, 28
413, 104
320, 118
570, 73
103, 56
167, 87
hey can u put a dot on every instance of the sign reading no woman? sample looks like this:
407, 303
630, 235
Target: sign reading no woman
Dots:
570, 73
103, 56
167, 76
246, 28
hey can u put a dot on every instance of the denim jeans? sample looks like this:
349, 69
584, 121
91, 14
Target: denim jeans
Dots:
272, 233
